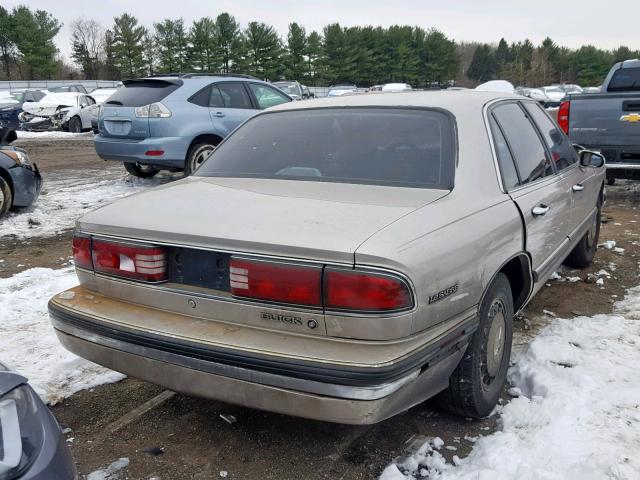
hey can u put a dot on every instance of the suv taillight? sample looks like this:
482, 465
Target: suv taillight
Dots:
563, 116
153, 110
139, 262
329, 288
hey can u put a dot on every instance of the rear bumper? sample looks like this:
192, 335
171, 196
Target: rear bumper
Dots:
344, 395
126, 150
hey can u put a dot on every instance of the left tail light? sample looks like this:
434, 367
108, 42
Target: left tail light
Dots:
138, 262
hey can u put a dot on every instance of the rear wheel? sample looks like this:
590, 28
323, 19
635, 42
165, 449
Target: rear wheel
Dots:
6, 198
75, 125
476, 383
582, 254
140, 170
611, 181
196, 156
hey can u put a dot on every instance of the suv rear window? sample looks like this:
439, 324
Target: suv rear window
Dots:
378, 146
136, 93
625, 80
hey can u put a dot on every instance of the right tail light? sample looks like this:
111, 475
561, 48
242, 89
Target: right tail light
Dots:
563, 116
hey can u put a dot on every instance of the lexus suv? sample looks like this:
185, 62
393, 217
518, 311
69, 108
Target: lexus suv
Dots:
175, 122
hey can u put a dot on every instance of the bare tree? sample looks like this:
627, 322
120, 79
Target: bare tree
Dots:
87, 46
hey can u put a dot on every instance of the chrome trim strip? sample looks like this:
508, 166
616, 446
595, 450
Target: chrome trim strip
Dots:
622, 166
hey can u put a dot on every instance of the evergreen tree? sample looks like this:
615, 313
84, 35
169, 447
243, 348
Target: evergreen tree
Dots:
149, 52
440, 61
228, 40
7, 45
296, 50
87, 47
171, 41
33, 34
482, 65
203, 54
127, 45
110, 66
313, 54
262, 51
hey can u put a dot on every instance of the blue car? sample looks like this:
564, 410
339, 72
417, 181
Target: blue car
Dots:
11, 105
32, 446
174, 122
20, 180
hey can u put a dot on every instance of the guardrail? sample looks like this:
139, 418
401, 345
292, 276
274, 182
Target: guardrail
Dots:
44, 84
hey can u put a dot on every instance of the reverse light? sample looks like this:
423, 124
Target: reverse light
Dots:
139, 262
276, 282
153, 110
365, 291
563, 116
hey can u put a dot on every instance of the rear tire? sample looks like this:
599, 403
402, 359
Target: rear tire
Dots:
611, 181
140, 170
477, 381
6, 197
582, 254
197, 154
75, 125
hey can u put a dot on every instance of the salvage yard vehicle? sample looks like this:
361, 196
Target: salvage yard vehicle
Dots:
69, 111
100, 95
334, 259
339, 90
32, 446
175, 122
20, 180
11, 105
609, 121
294, 89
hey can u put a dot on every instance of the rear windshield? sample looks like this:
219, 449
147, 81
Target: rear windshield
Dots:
625, 79
379, 146
141, 92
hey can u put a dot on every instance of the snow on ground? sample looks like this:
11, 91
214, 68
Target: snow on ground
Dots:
28, 343
58, 135
578, 416
69, 194
110, 472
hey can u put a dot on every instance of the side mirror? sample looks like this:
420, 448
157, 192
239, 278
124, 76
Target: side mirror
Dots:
591, 159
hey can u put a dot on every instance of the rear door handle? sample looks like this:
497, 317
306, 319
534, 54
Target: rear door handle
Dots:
578, 187
218, 114
541, 209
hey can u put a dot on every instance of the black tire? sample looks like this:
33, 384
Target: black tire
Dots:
140, 170
611, 181
6, 197
582, 254
197, 154
477, 381
75, 125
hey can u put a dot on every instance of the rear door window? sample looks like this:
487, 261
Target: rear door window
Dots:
562, 152
234, 95
137, 93
267, 96
527, 148
505, 159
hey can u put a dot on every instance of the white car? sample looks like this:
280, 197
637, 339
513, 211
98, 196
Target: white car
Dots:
555, 95
65, 110
100, 95
339, 90
533, 93
396, 87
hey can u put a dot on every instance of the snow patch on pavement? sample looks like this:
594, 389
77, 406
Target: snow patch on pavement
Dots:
578, 415
68, 195
58, 135
110, 472
28, 343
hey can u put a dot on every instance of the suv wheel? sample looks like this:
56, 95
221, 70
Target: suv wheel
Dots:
476, 383
6, 198
140, 170
75, 125
196, 156
582, 254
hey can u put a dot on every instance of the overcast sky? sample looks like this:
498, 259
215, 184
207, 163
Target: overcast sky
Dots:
570, 23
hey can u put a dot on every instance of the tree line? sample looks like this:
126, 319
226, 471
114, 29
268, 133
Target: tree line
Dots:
362, 55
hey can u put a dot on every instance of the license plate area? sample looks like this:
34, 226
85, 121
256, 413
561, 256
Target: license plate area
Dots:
199, 268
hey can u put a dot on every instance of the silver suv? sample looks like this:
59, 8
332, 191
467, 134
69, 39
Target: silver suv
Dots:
340, 259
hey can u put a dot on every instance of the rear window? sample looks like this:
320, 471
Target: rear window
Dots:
378, 146
141, 92
625, 79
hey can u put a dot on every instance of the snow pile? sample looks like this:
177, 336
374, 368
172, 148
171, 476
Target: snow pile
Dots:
58, 135
68, 195
578, 415
110, 472
28, 343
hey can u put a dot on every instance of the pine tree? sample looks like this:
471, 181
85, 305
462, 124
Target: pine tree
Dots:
313, 54
263, 50
296, 50
33, 34
127, 46
203, 54
228, 40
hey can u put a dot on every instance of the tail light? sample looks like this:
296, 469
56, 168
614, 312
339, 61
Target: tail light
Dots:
365, 291
139, 262
563, 116
153, 110
82, 252
333, 289
276, 282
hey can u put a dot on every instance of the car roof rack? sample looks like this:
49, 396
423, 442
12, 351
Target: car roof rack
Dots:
201, 74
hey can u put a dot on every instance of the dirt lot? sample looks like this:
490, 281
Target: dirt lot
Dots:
185, 437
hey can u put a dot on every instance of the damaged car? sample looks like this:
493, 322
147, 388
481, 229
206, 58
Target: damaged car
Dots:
20, 180
68, 111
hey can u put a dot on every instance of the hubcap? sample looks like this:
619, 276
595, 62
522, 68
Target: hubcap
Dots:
201, 155
591, 233
495, 340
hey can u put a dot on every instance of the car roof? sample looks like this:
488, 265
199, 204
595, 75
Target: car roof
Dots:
198, 81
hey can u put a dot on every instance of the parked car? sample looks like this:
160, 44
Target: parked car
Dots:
335, 259
396, 87
591, 90
609, 121
68, 88
555, 95
570, 89
7, 134
533, 93
32, 446
294, 89
11, 105
175, 122
100, 95
69, 111
20, 180
339, 90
